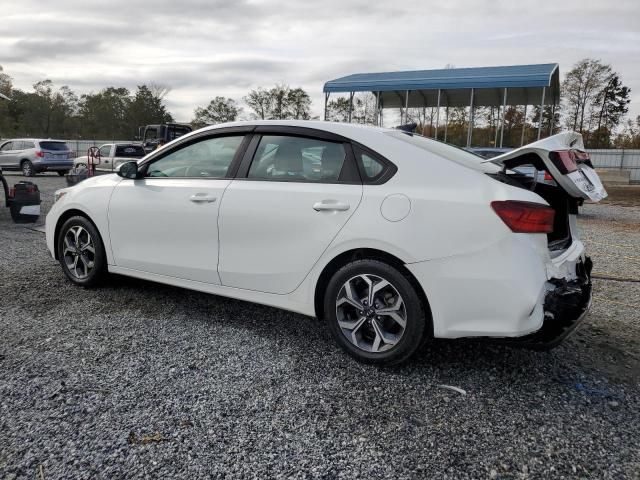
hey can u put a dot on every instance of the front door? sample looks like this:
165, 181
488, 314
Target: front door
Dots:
276, 223
166, 223
8, 157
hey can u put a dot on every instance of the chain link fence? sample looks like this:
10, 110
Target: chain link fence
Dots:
620, 159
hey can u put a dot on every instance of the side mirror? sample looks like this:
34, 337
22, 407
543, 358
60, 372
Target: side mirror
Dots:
128, 170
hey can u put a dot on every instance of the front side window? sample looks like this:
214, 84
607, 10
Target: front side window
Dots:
207, 158
6, 147
287, 158
105, 150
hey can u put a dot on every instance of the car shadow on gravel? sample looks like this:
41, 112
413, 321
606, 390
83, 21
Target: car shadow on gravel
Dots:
457, 361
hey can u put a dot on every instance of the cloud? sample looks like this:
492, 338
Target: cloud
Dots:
205, 48
31, 50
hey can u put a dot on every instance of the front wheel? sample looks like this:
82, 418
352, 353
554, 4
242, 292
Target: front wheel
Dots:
374, 312
81, 252
62, 173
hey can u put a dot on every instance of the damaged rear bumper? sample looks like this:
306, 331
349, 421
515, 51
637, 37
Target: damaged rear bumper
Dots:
565, 306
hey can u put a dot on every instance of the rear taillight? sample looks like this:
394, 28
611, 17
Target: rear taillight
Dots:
564, 160
39, 154
547, 176
525, 217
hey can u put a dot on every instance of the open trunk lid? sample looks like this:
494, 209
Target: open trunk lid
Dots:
564, 157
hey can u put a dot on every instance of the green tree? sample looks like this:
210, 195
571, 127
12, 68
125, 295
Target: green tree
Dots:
147, 107
299, 104
104, 115
613, 104
338, 110
219, 110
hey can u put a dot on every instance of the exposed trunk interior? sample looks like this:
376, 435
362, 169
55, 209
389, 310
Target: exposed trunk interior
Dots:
563, 204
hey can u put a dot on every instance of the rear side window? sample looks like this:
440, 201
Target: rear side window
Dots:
54, 146
301, 159
27, 145
370, 166
131, 151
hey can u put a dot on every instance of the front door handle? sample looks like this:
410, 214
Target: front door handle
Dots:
202, 198
330, 205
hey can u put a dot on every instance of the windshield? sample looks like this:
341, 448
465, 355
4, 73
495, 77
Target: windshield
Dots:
55, 146
444, 150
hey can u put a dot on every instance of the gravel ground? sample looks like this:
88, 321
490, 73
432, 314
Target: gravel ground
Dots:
140, 380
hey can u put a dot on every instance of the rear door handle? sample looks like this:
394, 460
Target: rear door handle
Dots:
202, 198
330, 205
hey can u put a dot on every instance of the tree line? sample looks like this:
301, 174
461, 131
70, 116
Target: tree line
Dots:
594, 102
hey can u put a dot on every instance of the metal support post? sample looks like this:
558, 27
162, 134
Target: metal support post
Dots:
544, 89
437, 116
470, 128
504, 110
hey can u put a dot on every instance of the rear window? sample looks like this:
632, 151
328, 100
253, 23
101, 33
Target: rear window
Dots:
131, 151
54, 146
444, 150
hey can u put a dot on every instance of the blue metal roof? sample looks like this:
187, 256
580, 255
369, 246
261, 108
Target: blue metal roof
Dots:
515, 76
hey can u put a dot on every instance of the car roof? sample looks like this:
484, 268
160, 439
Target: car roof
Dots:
35, 140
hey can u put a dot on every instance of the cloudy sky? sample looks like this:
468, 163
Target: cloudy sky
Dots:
204, 48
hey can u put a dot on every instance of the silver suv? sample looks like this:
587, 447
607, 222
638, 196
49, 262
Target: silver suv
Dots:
33, 155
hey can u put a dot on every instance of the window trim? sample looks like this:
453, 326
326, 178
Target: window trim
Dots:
200, 137
349, 175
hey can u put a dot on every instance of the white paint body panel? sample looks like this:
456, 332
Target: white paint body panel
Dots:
270, 234
155, 227
479, 277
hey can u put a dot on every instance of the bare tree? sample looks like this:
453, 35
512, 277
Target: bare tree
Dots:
259, 101
581, 87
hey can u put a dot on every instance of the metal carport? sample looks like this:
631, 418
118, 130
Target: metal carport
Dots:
455, 87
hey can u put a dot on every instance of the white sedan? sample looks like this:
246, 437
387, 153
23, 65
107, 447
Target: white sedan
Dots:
390, 237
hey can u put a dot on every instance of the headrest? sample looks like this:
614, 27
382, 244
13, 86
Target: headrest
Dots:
288, 158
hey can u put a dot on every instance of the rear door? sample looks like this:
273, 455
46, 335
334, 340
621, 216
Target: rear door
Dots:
564, 157
298, 191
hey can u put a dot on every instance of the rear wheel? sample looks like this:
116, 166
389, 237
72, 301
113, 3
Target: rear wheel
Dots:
27, 168
62, 173
374, 312
81, 252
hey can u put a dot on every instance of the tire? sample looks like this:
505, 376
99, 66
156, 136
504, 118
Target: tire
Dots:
27, 168
369, 335
72, 250
62, 173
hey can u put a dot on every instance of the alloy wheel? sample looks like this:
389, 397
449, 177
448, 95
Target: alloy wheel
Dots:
79, 252
27, 169
371, 313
